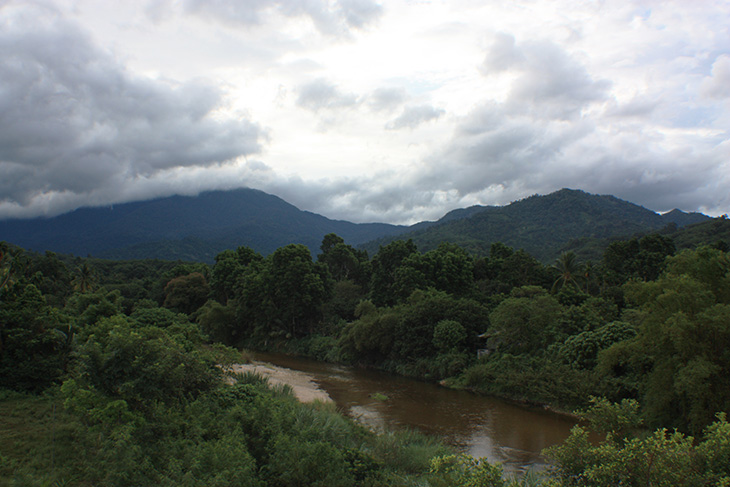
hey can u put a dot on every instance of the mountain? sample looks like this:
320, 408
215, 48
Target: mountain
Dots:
682, 219
194, 228
197, 228
542, 225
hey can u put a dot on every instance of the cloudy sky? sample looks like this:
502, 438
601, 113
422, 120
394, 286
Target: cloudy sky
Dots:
392, 110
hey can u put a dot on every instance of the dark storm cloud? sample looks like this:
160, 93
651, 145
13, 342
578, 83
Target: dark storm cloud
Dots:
321, 94
73, 120
329, 18
413, 116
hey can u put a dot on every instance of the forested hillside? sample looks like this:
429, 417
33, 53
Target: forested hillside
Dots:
191, 228
542, 225
128, 354
196, 229
715, 231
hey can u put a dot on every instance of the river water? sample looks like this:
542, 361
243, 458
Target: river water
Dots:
480, 426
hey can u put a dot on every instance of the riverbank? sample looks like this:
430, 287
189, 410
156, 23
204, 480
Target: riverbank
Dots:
481, 426
303, 385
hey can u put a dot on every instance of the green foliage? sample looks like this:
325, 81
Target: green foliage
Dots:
448, 335
6, 266
569, 271
581, 351
187, 293
218, 322
154, 316
679, 360
522, 324
91, 307
51, 276
142, 364
506, 269
386, 286
40, 442
229, 270
345, 263
85, 279
616, 420
528, 378
448, 268
661, 458
285, 297
465, 471
637, 258
346, 295
35, 340
404, 335
715, 232
406, 451
315, 463
150, 406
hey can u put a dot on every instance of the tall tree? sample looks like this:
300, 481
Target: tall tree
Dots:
286, 295
385, 265
85, 279
343, 261
570, 271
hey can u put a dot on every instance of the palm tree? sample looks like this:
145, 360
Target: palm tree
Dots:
6, 268
85, 279
570, 271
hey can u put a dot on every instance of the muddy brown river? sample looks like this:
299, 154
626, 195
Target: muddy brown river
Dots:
480, 426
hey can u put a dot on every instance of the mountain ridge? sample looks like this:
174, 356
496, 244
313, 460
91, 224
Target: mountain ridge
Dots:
197, 228
220, 219
543, 224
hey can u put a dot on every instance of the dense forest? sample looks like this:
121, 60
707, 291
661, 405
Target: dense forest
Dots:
127, 361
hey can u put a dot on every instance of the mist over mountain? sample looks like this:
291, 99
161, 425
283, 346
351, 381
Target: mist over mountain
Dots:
196, 228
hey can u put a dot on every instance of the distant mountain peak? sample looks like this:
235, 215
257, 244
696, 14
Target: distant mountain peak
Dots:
542, 224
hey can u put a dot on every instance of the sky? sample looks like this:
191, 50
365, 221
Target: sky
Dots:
395, 111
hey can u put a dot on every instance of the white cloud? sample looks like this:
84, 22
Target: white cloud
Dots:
395, 111
329, 18
321, 94
413, 116
717, 85
386, 99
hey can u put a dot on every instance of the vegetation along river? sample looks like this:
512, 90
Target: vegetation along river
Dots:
480, 426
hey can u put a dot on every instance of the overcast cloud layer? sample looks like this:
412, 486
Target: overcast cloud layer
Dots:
394, 111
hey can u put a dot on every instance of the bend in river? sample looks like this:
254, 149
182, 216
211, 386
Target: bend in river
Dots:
480, 426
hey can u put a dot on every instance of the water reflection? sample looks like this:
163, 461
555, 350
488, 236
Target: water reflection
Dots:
481, 426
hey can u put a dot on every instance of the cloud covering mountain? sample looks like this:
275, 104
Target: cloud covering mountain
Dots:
395, 111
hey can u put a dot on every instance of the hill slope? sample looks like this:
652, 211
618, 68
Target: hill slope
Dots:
542, 225
185, 227
197, 228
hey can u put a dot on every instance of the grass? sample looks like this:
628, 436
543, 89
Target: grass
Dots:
378, 396
38, 442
